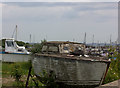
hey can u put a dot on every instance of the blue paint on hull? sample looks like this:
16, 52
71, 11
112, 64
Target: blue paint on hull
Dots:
13, 53
2, 52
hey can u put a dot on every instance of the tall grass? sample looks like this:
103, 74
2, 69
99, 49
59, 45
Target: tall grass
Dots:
114, 69
8, 66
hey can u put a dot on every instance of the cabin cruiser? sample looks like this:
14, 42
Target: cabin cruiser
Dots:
71, 66
11, 47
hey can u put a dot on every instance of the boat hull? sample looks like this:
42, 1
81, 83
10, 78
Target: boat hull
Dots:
15, 57
70, 71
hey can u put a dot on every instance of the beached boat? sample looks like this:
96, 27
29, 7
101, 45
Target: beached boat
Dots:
70, 65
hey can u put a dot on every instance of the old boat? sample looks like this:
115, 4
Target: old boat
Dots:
70, 64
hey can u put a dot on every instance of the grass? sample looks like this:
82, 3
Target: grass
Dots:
15, 74
113, 72
7, 69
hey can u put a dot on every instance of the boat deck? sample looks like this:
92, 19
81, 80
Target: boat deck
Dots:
90, 58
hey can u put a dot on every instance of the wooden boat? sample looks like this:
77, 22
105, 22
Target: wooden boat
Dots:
70, 65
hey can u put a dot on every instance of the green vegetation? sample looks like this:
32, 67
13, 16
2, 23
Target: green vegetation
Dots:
7, 68
0, 43
20, 43
48, 79
114, 69
37, 47
16, 75
3, 43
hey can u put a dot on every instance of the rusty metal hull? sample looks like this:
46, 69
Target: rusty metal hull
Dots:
72, 71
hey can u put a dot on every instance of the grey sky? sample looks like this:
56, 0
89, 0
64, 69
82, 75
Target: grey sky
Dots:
61, 20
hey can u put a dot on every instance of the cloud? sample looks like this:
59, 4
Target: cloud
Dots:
44, 11
40, 4
85, 5
61, 1
54, 19
37, 13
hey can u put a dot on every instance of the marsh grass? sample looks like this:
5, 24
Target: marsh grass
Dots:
8, 66
13, 71
16, 75
114, 69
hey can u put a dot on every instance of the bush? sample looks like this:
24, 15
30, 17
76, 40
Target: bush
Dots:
38, 47
16, 72
114, 69
48, 79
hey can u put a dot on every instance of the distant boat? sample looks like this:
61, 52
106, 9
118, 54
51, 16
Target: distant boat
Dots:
13, 52
11, 47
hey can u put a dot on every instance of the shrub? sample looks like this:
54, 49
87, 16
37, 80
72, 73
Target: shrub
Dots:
16, 72
48, 79
38, 47
114, 69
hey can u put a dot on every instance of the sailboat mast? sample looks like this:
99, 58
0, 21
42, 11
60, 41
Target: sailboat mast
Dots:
16, 33
93, 40
85, 38
110, 39
30, 38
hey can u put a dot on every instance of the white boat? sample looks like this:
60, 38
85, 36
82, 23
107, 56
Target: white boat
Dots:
11, 47
13, 52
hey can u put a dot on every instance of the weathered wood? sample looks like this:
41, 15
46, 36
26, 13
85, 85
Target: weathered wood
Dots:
71, 71
29, 74
70, 65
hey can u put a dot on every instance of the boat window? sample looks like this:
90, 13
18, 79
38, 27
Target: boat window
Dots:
10, 43
65, 48
20, 50
53, 49
44, 48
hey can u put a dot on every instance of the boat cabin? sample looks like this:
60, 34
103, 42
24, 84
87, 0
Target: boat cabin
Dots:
60, 47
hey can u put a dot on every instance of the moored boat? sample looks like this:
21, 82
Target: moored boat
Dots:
13, 53
11, 47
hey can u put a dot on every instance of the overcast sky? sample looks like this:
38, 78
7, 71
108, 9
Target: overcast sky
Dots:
61, 20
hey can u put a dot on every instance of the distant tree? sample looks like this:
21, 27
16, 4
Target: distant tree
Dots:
27, 45
43, 41
3, 43
38, 47
0, 42
20, 43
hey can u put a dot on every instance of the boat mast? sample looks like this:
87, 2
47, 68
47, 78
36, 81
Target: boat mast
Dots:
93, 40
110, 39
85, 38
30, 38
16, 33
